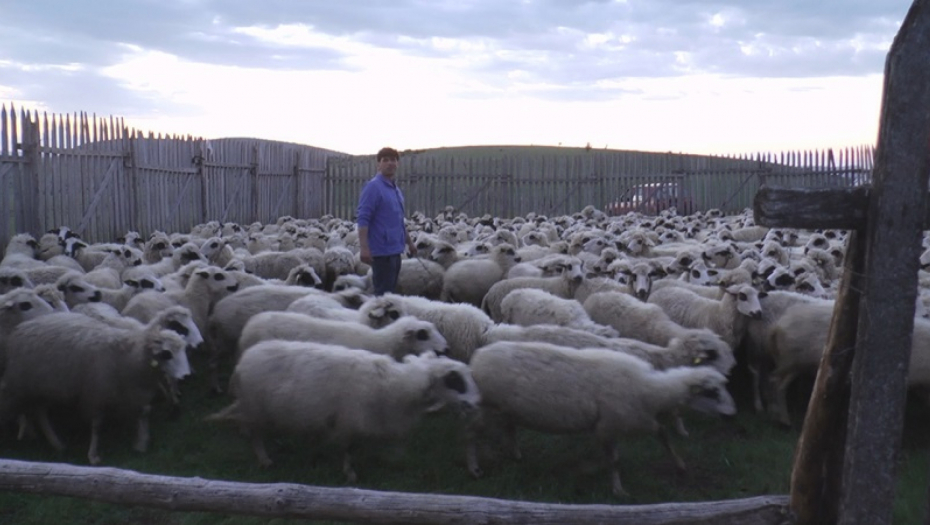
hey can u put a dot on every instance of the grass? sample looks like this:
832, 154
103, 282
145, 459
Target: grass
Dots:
741, 457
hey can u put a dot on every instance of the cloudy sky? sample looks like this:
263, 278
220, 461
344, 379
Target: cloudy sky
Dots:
696, 76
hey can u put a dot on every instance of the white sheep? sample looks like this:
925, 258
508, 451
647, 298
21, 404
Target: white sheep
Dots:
180, 256
701, 348
17, 306
341, 394
67, 358
727, 317
531, 306
554, 389
462, 324
206, 287
21, 252
230, 314
565, 284
420, 277
361, 282
756, 341
405, 336
635, 319
468, 280
339, 261
12, 278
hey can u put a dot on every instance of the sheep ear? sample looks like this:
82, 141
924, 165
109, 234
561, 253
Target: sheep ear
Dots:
454, 381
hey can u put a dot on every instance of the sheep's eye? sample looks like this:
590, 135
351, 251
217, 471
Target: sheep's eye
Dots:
695, 274
219, 277
394, 315
711, 355
23, 307
805, 287
75, 288
799, 271
742, 296
422, 334
204, 275
16, 281
159, 246
214, 245
686, 261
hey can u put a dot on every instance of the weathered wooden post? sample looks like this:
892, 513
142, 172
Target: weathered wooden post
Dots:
873, 321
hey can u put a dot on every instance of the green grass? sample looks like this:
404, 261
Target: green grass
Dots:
741, 457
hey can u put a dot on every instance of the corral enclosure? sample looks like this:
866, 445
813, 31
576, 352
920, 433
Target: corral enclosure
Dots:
102, 179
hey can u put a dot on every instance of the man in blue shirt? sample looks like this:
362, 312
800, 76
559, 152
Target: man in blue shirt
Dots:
382, 235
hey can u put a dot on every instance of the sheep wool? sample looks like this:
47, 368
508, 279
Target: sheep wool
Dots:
560, 390
342, 394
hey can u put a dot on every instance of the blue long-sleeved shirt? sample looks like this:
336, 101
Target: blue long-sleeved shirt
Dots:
381, 209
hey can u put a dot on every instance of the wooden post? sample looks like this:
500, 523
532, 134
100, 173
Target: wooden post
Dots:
856, 484
893, 243
28, 216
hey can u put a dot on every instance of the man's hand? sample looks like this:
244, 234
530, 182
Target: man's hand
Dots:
365, 255
412, 248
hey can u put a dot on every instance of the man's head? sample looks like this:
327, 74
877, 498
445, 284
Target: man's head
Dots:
387, 161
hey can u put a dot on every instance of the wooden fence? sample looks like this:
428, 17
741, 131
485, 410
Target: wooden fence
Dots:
102, 179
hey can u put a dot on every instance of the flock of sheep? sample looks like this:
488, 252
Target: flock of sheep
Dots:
572, 324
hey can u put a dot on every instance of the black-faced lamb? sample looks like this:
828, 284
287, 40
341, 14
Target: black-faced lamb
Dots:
554, 389
345, 395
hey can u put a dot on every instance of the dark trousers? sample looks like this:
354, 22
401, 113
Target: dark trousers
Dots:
384, 272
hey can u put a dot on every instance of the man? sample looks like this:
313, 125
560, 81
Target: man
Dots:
382, 235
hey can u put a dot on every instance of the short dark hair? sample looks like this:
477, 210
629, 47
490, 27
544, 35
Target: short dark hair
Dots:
387, 153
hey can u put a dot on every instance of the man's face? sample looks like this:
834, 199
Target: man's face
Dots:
387, 166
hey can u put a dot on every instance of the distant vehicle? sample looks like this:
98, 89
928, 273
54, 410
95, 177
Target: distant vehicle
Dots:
652, 198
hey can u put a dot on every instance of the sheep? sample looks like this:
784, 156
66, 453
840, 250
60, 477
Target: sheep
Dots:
21, 252
727, 317
157, 247
405, 336
16, 306
52, 296
342, 394
700, 348
76, 290
797, 341
530, 306
230, 314
420, 277
758, 359
206, 287
564, 285
341, 306
338, 261
468, 280
638, 275
68, 358
635, 319
361, 282
180, 256
277, 265
12, 278
550, 388
462, 324
217, 251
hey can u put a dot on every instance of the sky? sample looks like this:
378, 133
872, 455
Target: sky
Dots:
689, 76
